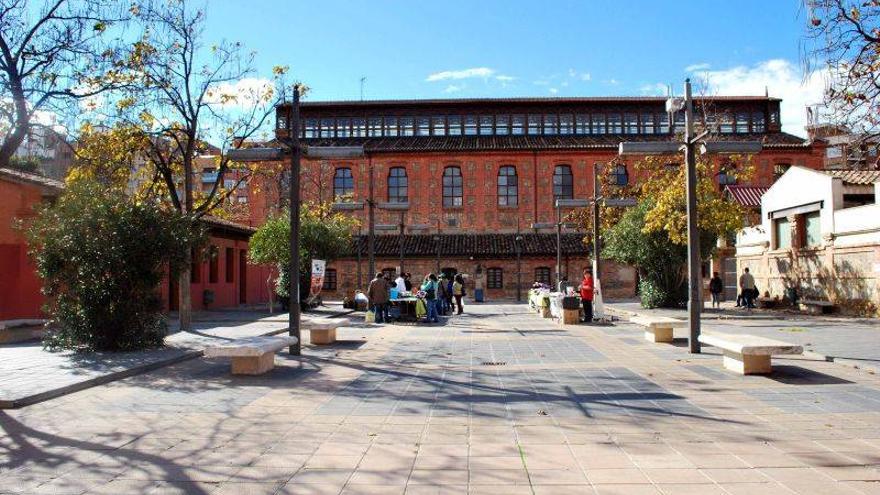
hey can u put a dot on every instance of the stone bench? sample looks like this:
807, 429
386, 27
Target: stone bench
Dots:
322, 331
658, 328
748, 354
253, 355
815, 307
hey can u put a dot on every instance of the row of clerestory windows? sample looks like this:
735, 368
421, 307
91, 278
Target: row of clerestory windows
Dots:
453, 184
743, 122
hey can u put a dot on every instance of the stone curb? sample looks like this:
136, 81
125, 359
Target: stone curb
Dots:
851, 363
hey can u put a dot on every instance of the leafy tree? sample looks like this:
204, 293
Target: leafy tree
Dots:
101, 258
323, 235
54, 55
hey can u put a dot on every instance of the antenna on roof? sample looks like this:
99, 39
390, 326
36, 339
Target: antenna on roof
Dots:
766, 92
363, 80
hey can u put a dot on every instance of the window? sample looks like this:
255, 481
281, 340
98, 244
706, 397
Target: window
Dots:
619, 176
582, 124
359, 128
343, 183
726, 124
534, 124
423, 126
566, 124
311, 128
507, 186
439, 125
551, 124
494, 278
486, 124
213, 265
454, 125
375, 128
758, 122
647, 123
726, 176
812, 230
663, 123
343, 128
327, 128
742, 122
779, 169
230, 265
630, 123
470, 125
782, 231
407, 126
329, 279
598, 126
517, 124
563, 182
542, 275
502, 124
391, 126
452, 188
615, 125
398, 185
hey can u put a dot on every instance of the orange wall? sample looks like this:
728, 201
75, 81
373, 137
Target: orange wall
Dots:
20, 296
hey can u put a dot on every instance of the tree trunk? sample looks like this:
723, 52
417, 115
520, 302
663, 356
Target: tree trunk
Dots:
184, 305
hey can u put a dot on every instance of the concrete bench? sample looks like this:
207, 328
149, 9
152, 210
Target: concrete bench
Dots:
658, 328
322, 331
815, 307
748, 354
251, 356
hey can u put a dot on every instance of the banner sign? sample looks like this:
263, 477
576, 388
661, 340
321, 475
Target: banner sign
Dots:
317, 277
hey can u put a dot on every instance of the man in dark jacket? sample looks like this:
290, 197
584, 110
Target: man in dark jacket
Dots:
377, 293
716, 285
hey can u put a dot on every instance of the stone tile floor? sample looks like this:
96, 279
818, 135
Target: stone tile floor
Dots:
498, 402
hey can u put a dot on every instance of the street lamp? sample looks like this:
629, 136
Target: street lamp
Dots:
560, 204
517, 241
688, 146
294, 149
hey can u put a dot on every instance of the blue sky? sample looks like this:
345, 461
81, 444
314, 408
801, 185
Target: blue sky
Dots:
490, 48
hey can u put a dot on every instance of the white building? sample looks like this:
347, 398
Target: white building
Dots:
819, 234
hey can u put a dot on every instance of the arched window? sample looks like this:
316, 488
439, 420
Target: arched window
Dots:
542, 275
343, 182
619, 176
508, 189
563, 182
398, 185
452, 188
494, 278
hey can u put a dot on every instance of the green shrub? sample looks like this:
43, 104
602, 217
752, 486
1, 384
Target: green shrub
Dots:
651, 294
102, 258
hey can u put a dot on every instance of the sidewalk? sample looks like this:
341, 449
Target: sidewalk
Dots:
30, 374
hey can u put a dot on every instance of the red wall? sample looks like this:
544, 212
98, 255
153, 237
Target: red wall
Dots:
20, 296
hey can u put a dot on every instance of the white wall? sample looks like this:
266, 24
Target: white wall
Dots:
801, 186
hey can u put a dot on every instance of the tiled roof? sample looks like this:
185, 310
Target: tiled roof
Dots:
18, 176
218, 223
477, 245
748, 196
534, 142
856, 177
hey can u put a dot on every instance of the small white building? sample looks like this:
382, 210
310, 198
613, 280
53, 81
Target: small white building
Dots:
819, 234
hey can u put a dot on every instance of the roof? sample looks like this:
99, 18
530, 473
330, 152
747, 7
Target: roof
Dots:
528, 99
49, 185
477, 245
775, 140
748, 196
855, 177
219, 224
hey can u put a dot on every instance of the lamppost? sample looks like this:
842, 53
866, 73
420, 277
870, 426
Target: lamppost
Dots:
287, 132
560, 204
517, 241
688, 146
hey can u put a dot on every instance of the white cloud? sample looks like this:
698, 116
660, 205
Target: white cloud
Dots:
781, 78
612, 81
655, 89
504, 78
243, 93
553, 91
697, 67
476, 72
453, 88
585, 76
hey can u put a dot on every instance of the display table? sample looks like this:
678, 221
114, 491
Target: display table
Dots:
407, 306
537, 303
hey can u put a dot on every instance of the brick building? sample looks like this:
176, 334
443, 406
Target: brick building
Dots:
479, 176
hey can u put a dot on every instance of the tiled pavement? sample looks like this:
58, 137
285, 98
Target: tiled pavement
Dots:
499, 402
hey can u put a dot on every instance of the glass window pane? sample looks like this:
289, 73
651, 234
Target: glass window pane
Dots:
423, 126
517, 124
454, 125
812, 229
391, 126
358, 128
783, 233
550, 124
758, 122
534, 124
438, 125
630, 123
742, 122
647, 123
566, 124
598, 125
502, 122
470, 125
582, 124
615, 125
327, 128
375, 129
407, 126
486, 123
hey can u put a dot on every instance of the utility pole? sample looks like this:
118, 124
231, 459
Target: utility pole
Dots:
695, 283
293, 320
371, 224
596, 229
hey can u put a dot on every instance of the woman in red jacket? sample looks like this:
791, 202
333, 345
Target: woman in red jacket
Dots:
586, 289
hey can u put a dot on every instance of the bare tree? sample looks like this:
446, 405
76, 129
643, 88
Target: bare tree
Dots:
52, 58
843, 39
190, 95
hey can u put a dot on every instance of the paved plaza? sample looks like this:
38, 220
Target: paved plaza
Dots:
498, 401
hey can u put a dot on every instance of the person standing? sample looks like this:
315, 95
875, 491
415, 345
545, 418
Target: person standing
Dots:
377, 293
430, 288
449, 304
441, 295
716, 285
407, 282
458, 292
747, 285
400, 283
586, 289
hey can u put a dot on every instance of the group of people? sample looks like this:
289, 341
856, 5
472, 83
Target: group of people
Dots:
442, 294
747, 294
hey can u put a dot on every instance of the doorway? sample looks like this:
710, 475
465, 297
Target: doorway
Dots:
242, 276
